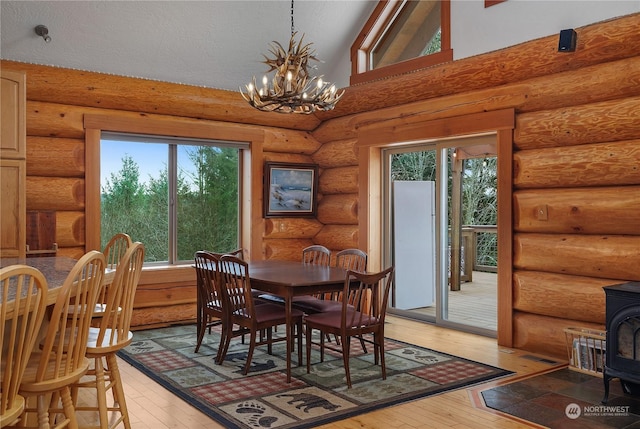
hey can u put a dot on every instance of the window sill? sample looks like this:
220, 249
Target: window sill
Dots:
403, 67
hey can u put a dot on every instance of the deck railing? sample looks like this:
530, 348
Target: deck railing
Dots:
484, 247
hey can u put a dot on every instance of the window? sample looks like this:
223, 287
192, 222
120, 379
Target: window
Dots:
176, 196
401, 36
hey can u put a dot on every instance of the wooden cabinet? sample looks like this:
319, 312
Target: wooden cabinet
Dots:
13, 164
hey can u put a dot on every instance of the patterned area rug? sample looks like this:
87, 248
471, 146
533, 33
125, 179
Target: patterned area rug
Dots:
263, 399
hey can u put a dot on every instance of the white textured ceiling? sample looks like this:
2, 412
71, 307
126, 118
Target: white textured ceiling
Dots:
212, 43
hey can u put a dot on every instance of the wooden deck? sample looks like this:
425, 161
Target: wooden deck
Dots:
474, 304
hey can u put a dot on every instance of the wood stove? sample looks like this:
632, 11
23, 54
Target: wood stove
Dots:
623, 337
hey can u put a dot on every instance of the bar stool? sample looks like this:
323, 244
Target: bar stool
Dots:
23, 299
61, 360
112, 335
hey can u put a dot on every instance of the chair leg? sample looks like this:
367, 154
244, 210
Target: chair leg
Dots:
118, 390
363, 344
101, 392
203, 328
299, 331
43, 413
308, 347
224, 344
346, 345
223, 338
252, 345
69, 410
380, 346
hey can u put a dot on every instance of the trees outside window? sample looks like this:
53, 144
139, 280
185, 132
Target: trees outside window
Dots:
175, 197
479, 193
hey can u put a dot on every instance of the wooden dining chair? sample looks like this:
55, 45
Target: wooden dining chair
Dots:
113, 252
23, 301
316, 255
352, 259
209, 296
239, 253
115, 249
111, 336
363, 312
242, 311
61, 360
349, 259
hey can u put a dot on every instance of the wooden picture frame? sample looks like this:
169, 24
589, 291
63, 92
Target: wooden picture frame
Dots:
290, 189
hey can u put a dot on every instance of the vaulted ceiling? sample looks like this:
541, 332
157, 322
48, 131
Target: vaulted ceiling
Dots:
211, 43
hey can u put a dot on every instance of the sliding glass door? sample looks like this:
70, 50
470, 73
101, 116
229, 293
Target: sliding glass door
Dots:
440, 217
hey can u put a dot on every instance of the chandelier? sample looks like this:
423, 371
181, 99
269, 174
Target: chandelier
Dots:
291, 89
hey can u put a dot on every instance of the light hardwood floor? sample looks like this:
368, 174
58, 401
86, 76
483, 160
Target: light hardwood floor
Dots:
153, 407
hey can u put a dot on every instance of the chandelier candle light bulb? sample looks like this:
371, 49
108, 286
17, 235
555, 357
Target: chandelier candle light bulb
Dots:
291, 89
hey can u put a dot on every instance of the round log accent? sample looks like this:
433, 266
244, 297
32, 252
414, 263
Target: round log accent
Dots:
340, 153
55, 157
164, 315
293, 158
600, 256
584, 293
290, 142
56, 120
612, 210
70, 228
543, 334
71, 252
338, 236
602, 164
291, 228
283, 249
341, 180
338, 209
55, 193
605, 121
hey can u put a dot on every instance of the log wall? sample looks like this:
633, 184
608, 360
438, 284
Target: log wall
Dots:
576, 162
56, 177
576, 158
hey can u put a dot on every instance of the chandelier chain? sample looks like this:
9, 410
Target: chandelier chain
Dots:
292, 26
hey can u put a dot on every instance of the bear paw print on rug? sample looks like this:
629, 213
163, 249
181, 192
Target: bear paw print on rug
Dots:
257, 419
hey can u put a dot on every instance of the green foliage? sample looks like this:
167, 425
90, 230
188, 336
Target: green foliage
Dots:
206, 205
213, 204
414, 166
480, 204
122, 199
479, 192
435, 44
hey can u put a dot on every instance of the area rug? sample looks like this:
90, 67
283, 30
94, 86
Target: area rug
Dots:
264, 399
566, 399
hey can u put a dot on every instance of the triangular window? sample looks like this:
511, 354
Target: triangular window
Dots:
402, 36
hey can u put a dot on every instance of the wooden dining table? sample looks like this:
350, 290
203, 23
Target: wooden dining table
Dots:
55, 270
290, 278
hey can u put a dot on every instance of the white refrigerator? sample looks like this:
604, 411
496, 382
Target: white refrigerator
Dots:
414, 244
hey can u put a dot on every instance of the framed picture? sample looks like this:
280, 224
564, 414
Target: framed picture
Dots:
290, 189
